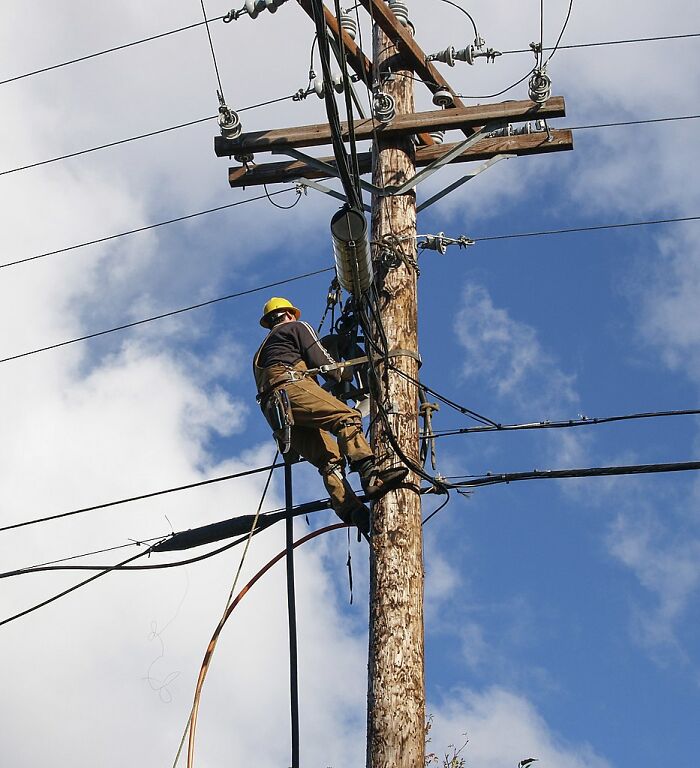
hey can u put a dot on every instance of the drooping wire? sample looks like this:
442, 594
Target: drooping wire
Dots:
284, 207
217, 632
466, 13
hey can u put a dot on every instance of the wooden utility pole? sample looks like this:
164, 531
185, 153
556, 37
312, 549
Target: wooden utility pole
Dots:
396, 687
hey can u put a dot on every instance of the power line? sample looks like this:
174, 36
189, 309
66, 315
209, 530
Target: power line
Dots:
107, 238
610, 42
648, 121
141, 497
583, 421
486, 238
594, 228
163, 315
107, 50
134, 138
559, 474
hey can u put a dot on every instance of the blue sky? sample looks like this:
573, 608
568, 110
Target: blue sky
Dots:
560, 615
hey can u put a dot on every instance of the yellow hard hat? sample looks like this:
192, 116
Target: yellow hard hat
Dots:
275, 304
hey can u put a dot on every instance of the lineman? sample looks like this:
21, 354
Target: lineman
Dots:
293, 401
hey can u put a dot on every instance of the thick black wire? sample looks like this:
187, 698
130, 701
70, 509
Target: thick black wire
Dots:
350, 188
560, 474
163, 315
107, 50
141, 497
283, 207
65, 592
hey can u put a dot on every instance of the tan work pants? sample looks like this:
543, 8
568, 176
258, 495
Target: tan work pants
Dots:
317, 413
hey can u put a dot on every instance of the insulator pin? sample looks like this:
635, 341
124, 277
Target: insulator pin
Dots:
438, 136
320, 87
229, 123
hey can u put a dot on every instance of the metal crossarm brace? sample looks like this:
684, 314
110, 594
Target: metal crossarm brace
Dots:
327, 191
457, 184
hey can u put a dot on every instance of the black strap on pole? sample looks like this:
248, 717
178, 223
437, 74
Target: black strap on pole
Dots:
292, 613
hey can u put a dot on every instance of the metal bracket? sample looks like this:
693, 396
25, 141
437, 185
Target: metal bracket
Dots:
327, 191
422, 175
455, 185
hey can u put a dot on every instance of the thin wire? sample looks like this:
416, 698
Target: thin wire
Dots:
609, 42
585, 229
213, 54
561, 34
146, 228
465, 12
163, 315
633, 122
134, 138
581, 422
107, 50
439, 509
192, 723
141, 497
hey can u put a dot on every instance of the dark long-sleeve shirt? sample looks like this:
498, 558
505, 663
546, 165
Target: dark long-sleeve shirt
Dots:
288, 343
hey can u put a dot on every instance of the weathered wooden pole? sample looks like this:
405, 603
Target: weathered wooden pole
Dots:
396, 690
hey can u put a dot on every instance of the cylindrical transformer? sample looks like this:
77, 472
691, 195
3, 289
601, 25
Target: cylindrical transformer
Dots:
353, 260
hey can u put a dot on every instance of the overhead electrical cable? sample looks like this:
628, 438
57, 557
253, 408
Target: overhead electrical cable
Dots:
561, 34
146, 228
584, 421
163, 315
484, 238
593, 228
142, 496
140, 136
494, 478
65, 592
610, 42
107, 50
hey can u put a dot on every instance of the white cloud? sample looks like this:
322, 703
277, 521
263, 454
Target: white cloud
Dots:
503, 728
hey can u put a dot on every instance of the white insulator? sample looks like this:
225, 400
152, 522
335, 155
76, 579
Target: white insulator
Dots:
400, 9
443, 98
320, 87
383, 107
353, 259
253, 7
540, 86
437, 136
348, 23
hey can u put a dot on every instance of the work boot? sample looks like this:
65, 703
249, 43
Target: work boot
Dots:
377, 482
358, 516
